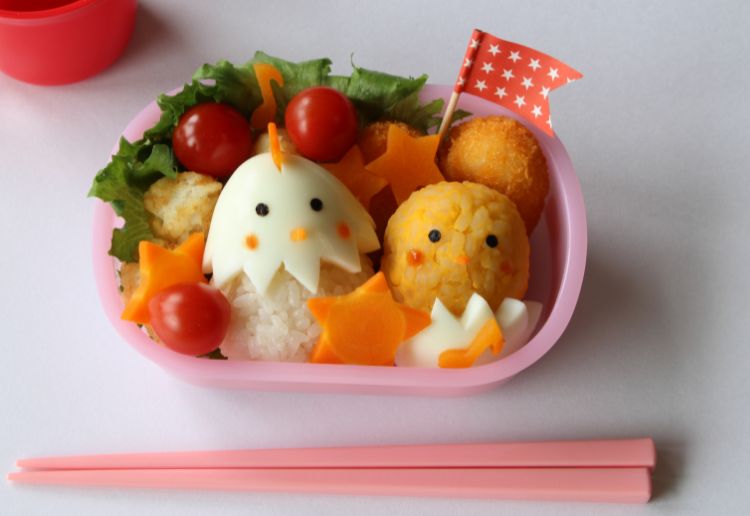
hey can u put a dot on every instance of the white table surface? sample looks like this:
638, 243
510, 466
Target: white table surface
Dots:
658, 345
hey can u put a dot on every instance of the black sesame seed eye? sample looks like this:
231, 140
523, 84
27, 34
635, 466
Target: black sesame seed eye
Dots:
434, 235
491, 241
261, 209
316, 204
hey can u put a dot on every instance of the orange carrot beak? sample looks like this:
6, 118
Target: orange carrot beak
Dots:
273, 136
298, 234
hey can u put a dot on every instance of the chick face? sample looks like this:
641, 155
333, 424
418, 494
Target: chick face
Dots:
450, 240
294, 216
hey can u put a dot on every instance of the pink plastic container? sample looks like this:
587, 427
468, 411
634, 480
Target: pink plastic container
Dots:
61, 41
557, 264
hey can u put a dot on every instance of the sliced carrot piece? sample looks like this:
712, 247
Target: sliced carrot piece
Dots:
275, 145
266, 112
408, 163
351, 171
322, 353
364, 327
489, 336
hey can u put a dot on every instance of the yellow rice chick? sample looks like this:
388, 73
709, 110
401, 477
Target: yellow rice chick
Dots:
449, 240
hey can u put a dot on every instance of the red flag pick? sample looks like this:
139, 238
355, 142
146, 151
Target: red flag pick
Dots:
511, 75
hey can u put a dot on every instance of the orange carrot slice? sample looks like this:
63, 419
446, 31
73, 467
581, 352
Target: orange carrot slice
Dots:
364, 327
266, 112
275, 145
408, 163
351, 171
489, 336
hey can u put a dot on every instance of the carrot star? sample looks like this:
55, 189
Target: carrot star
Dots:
161, 268
351, 171
364, 327
408, 162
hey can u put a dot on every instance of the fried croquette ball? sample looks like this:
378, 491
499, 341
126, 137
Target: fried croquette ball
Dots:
373, 139
181, 206
501, 153
449, 240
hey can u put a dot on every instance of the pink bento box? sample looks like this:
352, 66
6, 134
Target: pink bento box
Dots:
558, 260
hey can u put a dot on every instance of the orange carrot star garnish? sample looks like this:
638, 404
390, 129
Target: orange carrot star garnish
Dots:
364, 327
351, 171
408, 163
161, 268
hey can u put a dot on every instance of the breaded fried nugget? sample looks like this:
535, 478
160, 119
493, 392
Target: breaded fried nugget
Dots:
130, 278
181, 206
501, 153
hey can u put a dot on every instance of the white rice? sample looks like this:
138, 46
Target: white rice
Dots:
278, 326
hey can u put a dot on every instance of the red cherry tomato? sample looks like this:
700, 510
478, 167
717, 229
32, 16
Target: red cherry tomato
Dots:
322, 123
190, 318
212, 139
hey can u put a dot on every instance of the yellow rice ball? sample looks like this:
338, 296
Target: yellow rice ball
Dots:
449, 240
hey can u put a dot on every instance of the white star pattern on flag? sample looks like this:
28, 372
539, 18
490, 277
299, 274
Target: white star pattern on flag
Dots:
516, 77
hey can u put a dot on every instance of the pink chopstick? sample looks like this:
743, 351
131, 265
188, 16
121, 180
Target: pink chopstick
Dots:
612, 471
627, 485
562, 454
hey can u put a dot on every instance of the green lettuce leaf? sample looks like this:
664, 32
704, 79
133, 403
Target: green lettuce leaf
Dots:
375, 92
123, 182
235, 85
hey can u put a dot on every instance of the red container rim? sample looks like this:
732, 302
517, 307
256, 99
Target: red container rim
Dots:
46, 13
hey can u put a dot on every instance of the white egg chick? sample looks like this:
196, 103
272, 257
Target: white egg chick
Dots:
294, 216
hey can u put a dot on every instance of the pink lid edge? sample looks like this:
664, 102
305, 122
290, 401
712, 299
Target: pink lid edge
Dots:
348, 378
